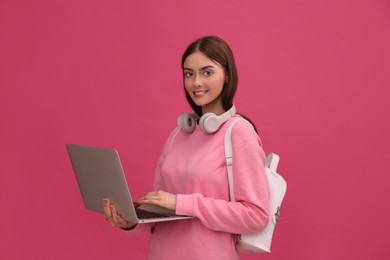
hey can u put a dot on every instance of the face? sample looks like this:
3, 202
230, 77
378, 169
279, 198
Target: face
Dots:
204, 80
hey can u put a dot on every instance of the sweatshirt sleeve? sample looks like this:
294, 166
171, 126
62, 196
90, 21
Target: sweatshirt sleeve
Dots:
249, 214
147, 228
140, 229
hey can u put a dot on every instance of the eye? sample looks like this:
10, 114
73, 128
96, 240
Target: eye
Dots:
187, 74
208, 73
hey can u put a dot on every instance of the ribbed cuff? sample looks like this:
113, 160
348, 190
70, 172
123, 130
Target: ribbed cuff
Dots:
185, 205
129, 228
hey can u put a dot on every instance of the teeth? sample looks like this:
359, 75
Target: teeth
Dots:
200, 92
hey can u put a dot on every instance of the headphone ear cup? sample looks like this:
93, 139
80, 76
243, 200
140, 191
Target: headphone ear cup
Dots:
186, 123
209, 123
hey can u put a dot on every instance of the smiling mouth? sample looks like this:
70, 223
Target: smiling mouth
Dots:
199, 93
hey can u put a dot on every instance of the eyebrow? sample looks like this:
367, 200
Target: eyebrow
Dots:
203, 68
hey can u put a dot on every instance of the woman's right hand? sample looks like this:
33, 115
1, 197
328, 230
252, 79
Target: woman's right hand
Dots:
113, 216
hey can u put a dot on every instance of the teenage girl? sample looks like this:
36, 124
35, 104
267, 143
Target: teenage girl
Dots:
191, 176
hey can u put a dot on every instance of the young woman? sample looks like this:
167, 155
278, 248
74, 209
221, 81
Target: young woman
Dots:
191, 175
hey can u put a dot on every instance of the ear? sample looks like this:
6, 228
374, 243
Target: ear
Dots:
227, 79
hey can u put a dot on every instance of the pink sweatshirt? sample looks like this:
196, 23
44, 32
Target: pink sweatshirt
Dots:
193, 167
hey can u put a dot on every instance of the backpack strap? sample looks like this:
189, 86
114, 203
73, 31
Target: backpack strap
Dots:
272, 161
229, 158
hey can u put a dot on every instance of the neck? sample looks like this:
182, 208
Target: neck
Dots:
215, 107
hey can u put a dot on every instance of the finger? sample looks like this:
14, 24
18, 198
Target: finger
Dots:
106, 207
151, 201
112, 218
149, 195
160, 198
122, 222
113, 212
158, 193
118, 220
152, 193
146, 200
153, 196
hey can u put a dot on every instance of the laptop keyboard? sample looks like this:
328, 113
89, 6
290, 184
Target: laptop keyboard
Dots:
143, 214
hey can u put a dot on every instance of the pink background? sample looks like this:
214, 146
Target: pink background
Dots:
314, 76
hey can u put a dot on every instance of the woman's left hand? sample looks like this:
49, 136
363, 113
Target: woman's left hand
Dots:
160, 198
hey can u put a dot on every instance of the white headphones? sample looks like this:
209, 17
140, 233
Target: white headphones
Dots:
209, 123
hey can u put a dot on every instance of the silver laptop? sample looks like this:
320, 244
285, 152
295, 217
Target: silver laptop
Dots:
100, 175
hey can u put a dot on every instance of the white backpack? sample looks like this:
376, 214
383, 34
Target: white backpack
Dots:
259, 242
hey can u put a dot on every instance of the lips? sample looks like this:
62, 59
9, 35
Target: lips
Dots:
199, 93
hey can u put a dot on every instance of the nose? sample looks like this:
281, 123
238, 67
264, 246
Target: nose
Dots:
197, 82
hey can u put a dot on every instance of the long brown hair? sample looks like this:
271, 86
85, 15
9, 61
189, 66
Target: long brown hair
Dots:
219, 51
